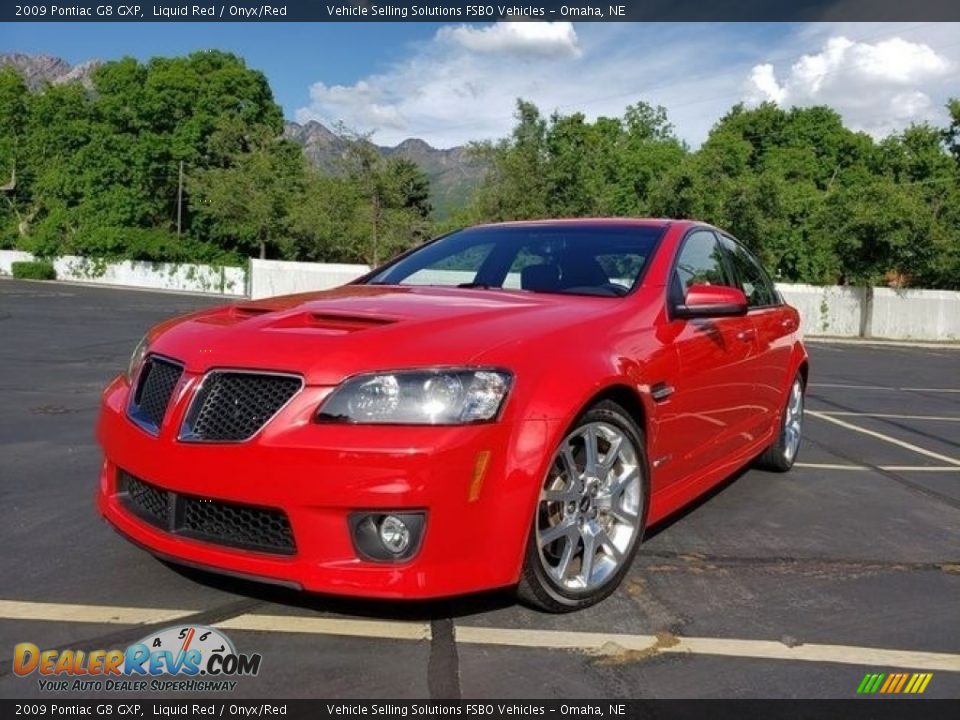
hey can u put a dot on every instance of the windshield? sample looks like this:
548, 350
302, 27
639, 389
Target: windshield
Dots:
605, 260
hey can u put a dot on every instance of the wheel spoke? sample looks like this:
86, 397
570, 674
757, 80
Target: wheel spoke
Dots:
569, 464
623, 515
590, 451
565, 495
566, 528
613, 452
589, 554
606, 542
620, 484
569, 550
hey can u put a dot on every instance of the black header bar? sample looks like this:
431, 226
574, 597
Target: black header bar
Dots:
873, 708
464, 12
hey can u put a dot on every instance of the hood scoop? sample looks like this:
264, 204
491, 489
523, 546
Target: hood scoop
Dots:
233, 315
242, 312
330, 323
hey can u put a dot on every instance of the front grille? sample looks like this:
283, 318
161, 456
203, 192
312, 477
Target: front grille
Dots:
232, 406
155, 386
223, 523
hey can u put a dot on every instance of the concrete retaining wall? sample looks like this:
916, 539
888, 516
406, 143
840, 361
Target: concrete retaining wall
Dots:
915, 314
8, 257
230, 281
829, 310
276, 277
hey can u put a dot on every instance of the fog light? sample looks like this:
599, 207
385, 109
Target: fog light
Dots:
394, 534
387, 536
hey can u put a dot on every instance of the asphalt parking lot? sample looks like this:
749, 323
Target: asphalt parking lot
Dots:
780, 586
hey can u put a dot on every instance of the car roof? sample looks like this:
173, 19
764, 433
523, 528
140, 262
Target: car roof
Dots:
599, 221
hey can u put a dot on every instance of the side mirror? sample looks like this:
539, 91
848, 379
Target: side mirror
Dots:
707, 301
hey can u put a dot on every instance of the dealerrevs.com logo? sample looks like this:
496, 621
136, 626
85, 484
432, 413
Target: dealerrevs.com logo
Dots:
188, 658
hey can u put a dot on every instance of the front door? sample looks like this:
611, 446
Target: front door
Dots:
712, 408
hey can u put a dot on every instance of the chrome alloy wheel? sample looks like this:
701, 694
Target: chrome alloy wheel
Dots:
590, 505
793, 421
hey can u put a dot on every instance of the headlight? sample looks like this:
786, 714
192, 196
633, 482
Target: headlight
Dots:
418, 397
139, 352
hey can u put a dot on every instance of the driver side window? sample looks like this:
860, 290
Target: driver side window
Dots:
700, 263
754, 281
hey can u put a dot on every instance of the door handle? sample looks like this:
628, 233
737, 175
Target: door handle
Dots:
746, 335
788, 324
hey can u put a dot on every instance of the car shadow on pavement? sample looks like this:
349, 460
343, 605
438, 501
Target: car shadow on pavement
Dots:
411, 610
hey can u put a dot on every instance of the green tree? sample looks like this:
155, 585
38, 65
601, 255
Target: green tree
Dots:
245, 199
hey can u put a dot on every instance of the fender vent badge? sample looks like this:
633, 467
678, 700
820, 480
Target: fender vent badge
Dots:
661, 391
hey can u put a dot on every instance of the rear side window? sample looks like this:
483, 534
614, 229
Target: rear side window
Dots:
753, 279
700, 263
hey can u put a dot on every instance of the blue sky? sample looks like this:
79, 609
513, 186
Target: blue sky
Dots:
293, 55
449, 83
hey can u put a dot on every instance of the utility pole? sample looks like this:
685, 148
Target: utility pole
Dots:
179, 199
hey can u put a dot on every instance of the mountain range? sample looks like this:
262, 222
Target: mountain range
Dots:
40, 69
452, 174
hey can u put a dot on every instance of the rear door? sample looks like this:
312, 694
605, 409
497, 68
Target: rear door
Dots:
773, 321
712, 403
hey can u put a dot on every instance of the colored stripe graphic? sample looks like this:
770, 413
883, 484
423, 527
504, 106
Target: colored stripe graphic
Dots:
894, 683
870, 683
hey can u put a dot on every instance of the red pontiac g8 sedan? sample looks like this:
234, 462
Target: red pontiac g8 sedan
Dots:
507, 405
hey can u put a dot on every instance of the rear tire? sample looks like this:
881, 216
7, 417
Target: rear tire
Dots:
590, 514
782, 454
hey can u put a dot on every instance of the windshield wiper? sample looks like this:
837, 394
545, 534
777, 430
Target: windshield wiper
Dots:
479, 286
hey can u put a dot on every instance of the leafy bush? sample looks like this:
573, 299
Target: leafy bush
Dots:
33, 270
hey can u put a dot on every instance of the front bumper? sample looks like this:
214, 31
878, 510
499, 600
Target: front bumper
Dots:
319, 474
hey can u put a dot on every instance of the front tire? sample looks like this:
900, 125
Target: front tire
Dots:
781, 455
590, 515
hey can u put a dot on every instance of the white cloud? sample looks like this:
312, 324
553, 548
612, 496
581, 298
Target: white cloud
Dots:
763, 86
448, 92
462, 82
365, 105
543, 39
877, 86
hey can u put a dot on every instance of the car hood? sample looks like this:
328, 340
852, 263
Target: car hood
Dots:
329, 335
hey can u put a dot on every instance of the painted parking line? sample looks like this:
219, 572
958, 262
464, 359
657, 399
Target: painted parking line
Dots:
103, 614
884, 387
867, 468
388, 629
613, 644
594, 643
114, 615
833, 466
885, 438
892, 416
